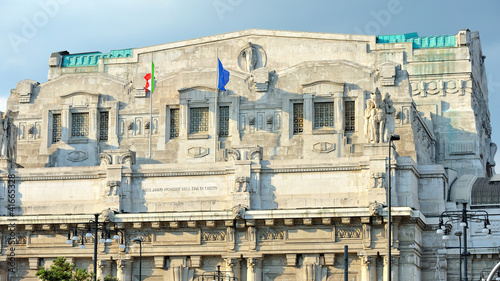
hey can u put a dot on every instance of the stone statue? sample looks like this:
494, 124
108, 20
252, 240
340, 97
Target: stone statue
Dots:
8, 136
390, 112
250, 55
379, 118
368, 128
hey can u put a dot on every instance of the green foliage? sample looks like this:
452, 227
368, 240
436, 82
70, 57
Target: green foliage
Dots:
61, 270
110, 278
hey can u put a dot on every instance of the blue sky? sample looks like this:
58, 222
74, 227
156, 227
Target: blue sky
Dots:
32, 29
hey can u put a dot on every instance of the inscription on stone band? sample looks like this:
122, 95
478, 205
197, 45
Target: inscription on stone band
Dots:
177, 189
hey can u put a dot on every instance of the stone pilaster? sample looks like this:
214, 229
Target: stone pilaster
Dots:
4, 270
367, 263
230, 264
124, 270
386, 268
372, 268
252, 237
395, 268
254, 269
102, 267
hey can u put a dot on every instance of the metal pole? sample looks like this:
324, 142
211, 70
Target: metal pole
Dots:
346, 263
96, 224
464, 219
389, 205
140, 261
460, 251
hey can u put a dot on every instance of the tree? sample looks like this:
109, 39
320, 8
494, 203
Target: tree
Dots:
62, 270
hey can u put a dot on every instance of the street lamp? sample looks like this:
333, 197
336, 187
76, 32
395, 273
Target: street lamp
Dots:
139, 240
96, 226
392, 138
464, 217
459, 233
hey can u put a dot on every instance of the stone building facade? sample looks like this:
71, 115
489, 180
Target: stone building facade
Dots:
269, 179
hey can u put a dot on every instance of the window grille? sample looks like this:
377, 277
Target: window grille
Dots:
198, 120
350, 116
174, 123
223, 121
79, 125
103, 125
323, 115
56, 128
298, 118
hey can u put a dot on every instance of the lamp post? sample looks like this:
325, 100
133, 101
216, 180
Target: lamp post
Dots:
139, 240
97, 226
392, 138
458, 233
464, 217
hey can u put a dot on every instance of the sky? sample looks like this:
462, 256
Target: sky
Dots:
31, 30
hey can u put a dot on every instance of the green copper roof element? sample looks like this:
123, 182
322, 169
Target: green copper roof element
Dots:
92, 59
419, 42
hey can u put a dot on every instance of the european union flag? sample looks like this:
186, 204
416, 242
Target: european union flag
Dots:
223, 77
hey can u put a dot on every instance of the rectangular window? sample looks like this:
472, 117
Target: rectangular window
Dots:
198, 120
56, 128
174, 123
103, 125
323, 115
350, 116
79, 125
223, 121
298, 118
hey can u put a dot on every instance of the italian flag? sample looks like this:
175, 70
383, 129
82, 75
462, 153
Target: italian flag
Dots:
150, 79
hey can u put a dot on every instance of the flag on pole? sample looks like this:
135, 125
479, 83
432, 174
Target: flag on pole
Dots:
150, 79
223, 77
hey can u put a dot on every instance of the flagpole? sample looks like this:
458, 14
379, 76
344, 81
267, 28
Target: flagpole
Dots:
151, 107
216, 137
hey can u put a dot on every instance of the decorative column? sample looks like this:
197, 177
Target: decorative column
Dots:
373, 268
386, 268
4, 267
101, 269
254, 269
124, 270
367, 263
395, 268
237, 268
230, 264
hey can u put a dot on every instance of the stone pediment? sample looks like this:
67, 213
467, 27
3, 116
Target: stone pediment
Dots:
80, 99
323, 87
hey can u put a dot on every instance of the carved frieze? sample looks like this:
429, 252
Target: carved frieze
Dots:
271, 234
448, 87
349, 233
213, 235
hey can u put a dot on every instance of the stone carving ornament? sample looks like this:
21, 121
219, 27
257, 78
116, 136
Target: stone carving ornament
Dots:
250, 56
242, 184
379, 118
8, 136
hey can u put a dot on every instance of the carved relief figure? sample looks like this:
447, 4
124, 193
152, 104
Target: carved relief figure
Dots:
379, 118
112, 188
241, 184
390, 111
250, 56
8, 136
368, 128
